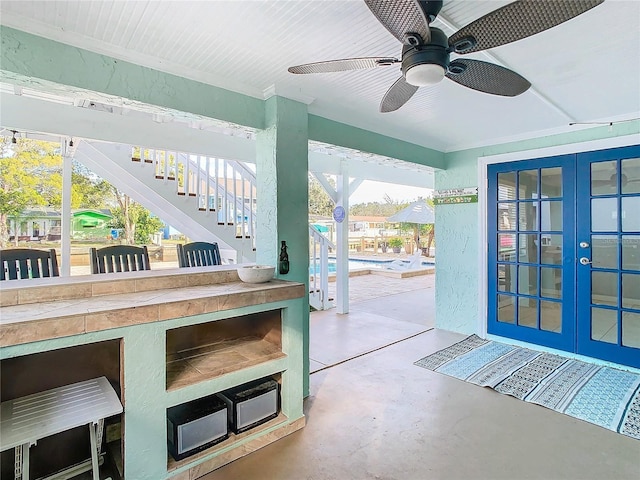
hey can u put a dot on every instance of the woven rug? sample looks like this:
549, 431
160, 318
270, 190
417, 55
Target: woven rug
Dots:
601, 395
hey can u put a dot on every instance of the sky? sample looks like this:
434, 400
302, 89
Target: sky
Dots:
371, 191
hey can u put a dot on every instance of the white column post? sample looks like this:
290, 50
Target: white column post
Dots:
342, 244
65, 228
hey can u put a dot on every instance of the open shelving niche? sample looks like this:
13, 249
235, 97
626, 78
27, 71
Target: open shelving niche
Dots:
211, 350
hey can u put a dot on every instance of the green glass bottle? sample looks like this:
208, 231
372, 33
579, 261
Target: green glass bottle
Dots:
283, 264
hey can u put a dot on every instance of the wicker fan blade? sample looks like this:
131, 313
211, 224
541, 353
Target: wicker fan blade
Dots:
487, 77
344, 65
398, 94
515, 21
401, 17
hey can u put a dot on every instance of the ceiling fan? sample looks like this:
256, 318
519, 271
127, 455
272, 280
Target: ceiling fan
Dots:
426, 50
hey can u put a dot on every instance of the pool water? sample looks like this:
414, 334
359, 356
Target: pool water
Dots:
355, 264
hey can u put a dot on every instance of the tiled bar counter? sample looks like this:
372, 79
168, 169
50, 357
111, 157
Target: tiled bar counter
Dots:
161, 338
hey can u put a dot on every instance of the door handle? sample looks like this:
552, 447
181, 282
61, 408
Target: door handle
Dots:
584, 261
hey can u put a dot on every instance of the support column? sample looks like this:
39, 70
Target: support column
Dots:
342, 244
65, 227
282, 167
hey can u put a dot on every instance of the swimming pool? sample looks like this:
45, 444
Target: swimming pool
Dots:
357, 264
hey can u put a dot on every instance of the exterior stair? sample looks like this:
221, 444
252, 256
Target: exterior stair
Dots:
205, 198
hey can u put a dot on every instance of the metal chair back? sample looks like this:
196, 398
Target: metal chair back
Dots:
119, 258
198, 254
21, 263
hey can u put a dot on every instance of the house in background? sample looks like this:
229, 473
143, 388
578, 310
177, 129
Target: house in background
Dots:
36, 224
46, 224
90, 224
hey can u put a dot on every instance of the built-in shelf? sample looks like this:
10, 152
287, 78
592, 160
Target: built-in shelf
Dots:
210, 361
196, 353
233, 438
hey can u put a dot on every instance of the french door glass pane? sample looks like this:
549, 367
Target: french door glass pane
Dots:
631, 252
631, 329
527, 280
527, 312
604, 325
604, 288
507, 186
528, 216
551, 316
551, 249
507, 247
603, 178
528, 248
507, 278
631, 290
631, 175
551, 216
550, 282
604, 214
528, 184
604, 251
506, 308
551, 182
507, 216
631, 214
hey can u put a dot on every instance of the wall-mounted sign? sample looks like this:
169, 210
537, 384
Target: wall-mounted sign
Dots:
455, 195
338, 213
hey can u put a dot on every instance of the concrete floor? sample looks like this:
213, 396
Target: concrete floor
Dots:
377, 416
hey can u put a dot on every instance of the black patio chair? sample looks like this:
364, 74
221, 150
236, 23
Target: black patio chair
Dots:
119, 258
20, 263
198, 254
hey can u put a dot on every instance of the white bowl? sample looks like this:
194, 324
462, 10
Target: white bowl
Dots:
256, 273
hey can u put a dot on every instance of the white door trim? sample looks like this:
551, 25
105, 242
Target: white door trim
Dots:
483, 162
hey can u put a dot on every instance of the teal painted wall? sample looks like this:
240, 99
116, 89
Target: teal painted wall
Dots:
457, 226
336, 133
281, 169
30, 56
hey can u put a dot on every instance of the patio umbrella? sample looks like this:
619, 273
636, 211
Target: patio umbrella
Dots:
418, 213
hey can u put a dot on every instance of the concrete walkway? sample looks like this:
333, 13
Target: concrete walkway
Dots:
382, 311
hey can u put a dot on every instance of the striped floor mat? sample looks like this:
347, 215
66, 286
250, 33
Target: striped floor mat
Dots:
601, 395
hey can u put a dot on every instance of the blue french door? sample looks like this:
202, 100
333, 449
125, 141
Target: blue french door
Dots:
608, 253
531, 251
564, 253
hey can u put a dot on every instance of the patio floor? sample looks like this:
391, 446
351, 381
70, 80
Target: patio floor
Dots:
372, 414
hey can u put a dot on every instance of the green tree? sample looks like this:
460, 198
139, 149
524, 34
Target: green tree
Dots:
88, 190
136, 221
320, 202
30, 176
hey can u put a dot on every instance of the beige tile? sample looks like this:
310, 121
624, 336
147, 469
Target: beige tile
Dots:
160, 283
8, 297
18, 333
236, 300
210, 278
121, 318
54, 292
187, 308
113, 287
181, 374
284, 293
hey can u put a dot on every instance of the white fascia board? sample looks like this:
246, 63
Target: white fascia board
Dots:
32, 115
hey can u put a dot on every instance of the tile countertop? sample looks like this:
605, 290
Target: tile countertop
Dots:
40, 309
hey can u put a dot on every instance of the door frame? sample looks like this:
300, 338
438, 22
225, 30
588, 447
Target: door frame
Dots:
483, 162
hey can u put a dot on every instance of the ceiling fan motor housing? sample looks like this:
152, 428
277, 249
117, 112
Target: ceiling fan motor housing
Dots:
435, 52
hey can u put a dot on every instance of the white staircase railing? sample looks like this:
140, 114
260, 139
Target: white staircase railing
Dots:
224, 187
319, 270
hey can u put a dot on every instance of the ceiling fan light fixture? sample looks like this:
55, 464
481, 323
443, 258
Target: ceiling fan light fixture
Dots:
424, 75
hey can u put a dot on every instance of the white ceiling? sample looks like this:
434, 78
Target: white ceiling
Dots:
585, 70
